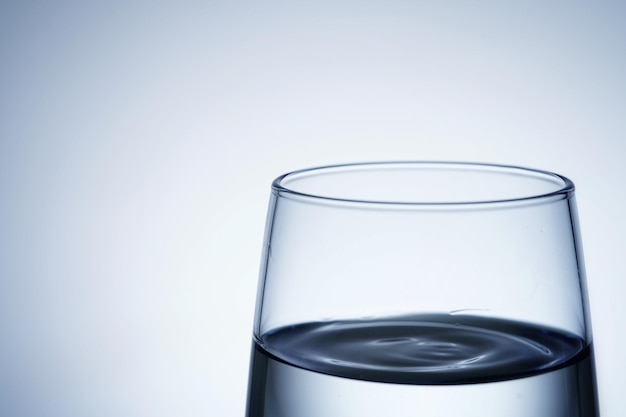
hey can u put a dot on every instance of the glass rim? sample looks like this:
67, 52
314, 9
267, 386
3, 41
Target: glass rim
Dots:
563, 186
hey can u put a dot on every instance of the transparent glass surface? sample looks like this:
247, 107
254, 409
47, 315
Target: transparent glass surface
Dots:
419, 288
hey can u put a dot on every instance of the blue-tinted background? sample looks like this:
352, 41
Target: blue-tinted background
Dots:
138, 141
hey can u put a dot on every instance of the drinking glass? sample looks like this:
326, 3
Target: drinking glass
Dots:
422, 289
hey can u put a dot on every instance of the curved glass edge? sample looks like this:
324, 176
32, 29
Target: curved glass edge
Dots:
566, 191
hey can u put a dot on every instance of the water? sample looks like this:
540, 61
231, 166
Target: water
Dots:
426, 366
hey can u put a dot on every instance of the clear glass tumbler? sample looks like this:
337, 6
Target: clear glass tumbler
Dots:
422, 289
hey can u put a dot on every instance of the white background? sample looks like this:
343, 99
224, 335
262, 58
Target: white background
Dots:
138, 141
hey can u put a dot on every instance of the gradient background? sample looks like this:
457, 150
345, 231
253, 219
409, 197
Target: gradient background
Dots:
138, 141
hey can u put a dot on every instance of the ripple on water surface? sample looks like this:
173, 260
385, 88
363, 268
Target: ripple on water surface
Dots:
424, 349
